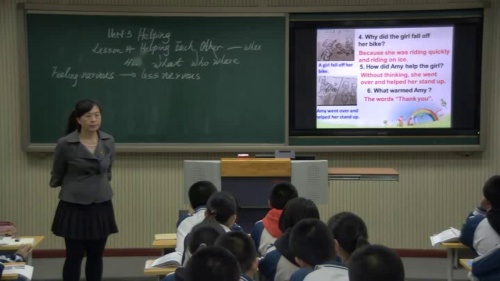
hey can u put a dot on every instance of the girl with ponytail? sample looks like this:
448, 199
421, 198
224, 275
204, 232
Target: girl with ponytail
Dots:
349, 232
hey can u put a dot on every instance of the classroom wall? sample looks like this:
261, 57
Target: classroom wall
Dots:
435, 191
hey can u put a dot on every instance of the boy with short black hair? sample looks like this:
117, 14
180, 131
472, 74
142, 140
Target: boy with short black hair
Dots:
481, 231
267, 230
375, 263
212, 263
314, 248
243, 248
198, 194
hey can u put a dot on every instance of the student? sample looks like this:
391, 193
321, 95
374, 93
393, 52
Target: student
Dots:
486, 267
202, 235
221, 208
82, 168
243, 248
198, 194
7, 228
221, 211
279, 262
375, 263
212, 263
314, 248
481, 231
267, 230
349, 232
20, 256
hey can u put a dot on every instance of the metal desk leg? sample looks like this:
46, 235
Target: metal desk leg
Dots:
29, 259
451, 254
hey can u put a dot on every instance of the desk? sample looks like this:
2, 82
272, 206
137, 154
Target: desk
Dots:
466, 263
452, 248
13, 276
14, 248
373, 174
165, 244
157, 271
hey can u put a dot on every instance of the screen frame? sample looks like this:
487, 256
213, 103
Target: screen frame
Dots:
385, 136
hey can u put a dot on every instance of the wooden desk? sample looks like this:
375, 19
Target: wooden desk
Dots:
452, 249
9, 277
157, 271
385, 174
14, 248
13, 276
165, 244
466, 263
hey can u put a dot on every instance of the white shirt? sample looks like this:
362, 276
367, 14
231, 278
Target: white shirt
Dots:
187, 225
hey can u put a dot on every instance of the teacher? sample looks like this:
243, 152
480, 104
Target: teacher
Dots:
82, 168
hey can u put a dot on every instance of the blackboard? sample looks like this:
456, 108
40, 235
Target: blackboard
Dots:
194, 80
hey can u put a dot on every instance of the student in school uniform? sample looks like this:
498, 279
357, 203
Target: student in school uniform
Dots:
375, 263
243, 248
20, 256
221, 211
481, 231
213, 263
198, 194
202, 235
267, 230
314, 248
486, 267
349, 233
279, 262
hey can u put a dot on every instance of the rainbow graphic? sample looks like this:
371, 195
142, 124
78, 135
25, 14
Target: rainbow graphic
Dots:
427, 112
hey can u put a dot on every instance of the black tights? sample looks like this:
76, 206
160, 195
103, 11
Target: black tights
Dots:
75, 251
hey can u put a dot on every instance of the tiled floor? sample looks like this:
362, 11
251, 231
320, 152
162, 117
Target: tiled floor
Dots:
131, 269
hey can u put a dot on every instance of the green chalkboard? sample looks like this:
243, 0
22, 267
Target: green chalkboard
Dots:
211, 80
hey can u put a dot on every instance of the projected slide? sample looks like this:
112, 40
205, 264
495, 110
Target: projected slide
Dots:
384, 78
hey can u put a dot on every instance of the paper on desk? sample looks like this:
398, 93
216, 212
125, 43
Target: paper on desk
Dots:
448, 235
25, 271
166, 236
5, 240
21, 241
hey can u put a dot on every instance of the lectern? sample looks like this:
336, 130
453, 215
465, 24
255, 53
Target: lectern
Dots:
250, 181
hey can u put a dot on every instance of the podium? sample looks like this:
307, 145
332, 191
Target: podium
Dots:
250, 181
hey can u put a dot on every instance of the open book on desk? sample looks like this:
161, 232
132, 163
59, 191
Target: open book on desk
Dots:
24, 271
448, 235
169, 260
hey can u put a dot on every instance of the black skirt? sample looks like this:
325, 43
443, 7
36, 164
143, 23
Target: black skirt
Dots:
84, 222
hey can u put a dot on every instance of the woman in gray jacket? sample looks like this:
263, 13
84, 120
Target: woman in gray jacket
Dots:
82, 168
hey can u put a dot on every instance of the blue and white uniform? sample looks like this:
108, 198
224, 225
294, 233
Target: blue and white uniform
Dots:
478, 233
328, 271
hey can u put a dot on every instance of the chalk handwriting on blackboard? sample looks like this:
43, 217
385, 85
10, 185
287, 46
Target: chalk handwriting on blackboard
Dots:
152, 54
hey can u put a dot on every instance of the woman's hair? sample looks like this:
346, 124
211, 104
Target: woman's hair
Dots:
203, 235
81, 107
349, 230
295, 210
220, 207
